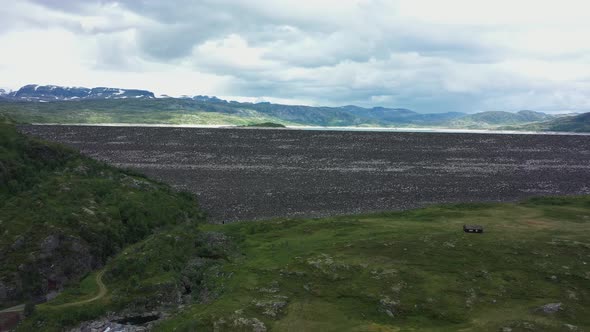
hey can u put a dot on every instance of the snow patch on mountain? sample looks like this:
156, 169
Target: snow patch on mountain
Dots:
34, 92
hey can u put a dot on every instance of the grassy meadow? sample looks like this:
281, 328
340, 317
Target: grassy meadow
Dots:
402, 271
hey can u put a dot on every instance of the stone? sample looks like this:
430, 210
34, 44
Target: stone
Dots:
271, 308
238, 323
50, 243
551, 308
3, 292
18, 243
388, 306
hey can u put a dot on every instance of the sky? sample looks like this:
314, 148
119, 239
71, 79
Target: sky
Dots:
425, 55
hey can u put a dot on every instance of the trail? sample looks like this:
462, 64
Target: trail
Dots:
18, 308
102, 291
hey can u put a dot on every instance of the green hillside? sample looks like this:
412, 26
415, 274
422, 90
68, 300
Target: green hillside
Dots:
218, 112
579, 123
187, 111
153, 111
63, 215
498, 118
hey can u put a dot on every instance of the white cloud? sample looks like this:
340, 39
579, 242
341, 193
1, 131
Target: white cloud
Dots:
467, 55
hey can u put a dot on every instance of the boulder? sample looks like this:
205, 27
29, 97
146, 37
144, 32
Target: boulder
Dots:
551, 308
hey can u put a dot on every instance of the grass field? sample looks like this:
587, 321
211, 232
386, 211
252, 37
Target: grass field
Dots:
403, 271
412, 270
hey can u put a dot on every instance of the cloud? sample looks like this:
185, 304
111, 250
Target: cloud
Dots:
431, 56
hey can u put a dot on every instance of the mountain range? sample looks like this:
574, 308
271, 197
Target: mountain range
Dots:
50, 103
41, 93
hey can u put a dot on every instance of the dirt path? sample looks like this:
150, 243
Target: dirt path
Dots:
18, 308
102, 291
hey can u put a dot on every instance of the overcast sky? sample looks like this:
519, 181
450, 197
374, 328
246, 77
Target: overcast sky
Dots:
426, 55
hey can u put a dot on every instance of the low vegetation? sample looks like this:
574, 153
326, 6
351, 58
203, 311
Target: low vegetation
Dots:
63, 215
413, 270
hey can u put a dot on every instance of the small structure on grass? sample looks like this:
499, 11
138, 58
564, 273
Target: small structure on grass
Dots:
472, 228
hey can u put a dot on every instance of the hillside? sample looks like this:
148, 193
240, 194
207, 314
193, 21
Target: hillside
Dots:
498, 118
55, 104
189, 111
63, 215
414, 270
578, 123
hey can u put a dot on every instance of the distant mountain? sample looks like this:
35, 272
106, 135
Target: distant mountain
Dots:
499, 118
52, 103
532, 116
33, 92
577, 123
209, 99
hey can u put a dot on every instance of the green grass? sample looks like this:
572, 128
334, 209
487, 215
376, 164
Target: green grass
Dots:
339, 273
344, 273
86, 289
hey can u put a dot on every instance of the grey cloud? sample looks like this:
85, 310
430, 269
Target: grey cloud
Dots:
335, 54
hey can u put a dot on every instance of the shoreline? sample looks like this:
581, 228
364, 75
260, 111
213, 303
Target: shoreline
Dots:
327, 128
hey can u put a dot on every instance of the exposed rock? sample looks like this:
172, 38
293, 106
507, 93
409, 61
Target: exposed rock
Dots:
58, 260
18, 243
551, 308
272, 308
88, 211
129, 323
81, 169
274, 288
572, 295
106, 325
388, 306
571, 327
292, 273
215, 239
238, 323
471, 298
50, 243
3, 291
